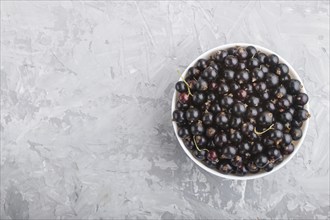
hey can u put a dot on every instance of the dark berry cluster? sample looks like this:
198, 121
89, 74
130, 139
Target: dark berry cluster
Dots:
239, 111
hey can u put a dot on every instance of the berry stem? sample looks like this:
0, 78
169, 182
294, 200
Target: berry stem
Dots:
189, 92
262, 132
288, 126
198, 147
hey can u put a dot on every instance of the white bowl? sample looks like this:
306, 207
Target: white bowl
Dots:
297, 144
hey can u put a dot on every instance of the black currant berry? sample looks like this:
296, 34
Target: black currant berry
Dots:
265, 96
235, 137
251, 112
210, 74
257, 148
257, 74
286, 117
235, 122
280, 92
201, 141
226, 101
281, 69
244, 147
242, 53
264, 68
247, 128
233, 51
182, 106
193, 72
253, 63
242, 77
274, 154
201, 85
213, 64
252, 167
179, 116
248, 88
296, 124
220, 139
184, 98
201, 155
225, 168
278, 126
271, 80
270, 106
207, 118
238, 109
183, 132
272, 60
261, 57
241, 94
215, 108
198, 98
253, 101
197, 129
223, 89
293, 86
287, 149
265, 119
301, 115
296, 133
269, 167
251, 50
241, 66
260, 87
237, 161
233, 87
222, 120
286, 139
231, 61
228, 152
221, 55
193, 115
212, 155
211, 97
261, 160
283, 104
228, 75
301, 99
201, 64
285, 79
181, 87
189, 143
241, 171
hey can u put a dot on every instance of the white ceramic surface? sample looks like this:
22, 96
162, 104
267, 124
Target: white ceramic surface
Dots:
297, 144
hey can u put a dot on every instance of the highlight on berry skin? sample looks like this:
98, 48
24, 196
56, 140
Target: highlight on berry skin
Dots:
239, 112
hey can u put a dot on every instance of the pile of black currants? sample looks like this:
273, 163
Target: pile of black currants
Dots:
239, 111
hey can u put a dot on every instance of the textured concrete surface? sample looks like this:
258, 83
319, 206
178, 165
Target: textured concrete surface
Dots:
86, 128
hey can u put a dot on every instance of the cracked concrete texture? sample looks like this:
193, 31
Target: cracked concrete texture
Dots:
86, 89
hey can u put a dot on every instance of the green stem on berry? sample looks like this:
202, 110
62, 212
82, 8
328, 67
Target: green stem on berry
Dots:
262, 132
189, 92
198, 147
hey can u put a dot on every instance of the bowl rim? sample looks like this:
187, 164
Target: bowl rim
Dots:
297, 144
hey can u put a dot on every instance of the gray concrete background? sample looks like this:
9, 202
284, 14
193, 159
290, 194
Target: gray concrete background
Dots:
86, 89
